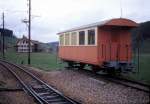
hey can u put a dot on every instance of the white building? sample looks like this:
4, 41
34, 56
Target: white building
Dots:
22, 45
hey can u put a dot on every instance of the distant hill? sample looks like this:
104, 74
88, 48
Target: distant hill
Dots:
53, 46
44, 47
7, 32
10, 38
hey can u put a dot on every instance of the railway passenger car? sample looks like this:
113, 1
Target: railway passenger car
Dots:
103, 45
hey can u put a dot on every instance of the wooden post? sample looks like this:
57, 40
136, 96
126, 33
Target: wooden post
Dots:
3, 33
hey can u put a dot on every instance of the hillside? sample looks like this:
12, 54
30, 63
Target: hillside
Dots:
141, 37
53, 46
10, 39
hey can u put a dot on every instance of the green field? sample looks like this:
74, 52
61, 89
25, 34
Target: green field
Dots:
144, 68
44, 61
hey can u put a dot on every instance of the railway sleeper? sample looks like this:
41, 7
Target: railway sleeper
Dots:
58, 100
40, 90
43, 93
61, 103
50, 97
47, 94
39, 86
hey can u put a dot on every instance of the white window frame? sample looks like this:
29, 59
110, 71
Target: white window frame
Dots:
84, 37
77, 33
63, 39
96, 32
67, 33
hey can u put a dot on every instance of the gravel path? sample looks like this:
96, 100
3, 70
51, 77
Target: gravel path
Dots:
89, 90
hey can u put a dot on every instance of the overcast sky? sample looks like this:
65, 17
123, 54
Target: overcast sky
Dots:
52, 16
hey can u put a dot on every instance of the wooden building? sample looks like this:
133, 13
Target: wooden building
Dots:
22, 45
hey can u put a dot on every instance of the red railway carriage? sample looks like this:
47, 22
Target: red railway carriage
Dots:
106, 44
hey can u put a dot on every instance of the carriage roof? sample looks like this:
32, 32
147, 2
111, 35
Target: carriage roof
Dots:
110, 22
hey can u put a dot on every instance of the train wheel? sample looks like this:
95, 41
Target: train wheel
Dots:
70, 65
111, 71
95, 69
81, 66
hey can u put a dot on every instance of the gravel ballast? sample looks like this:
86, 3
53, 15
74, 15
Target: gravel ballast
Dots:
89, 90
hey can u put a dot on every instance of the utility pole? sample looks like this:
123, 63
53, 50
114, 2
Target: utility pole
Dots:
3, 32
120, 9
29, 33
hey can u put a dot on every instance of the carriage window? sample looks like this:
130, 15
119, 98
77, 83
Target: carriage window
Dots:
91, 37
81, 37
67, 39
61, 39
73, 38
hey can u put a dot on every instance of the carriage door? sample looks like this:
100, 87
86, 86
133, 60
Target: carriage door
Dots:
114, 51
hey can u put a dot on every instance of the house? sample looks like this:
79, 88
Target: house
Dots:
22, 45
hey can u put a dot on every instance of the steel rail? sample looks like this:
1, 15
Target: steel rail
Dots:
22, 83
121, 81
32, 91
130, 83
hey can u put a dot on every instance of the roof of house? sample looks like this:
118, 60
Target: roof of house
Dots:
25, 38
110, 22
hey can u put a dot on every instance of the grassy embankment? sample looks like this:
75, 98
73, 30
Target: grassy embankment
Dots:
143, 73
144, 60
44, 61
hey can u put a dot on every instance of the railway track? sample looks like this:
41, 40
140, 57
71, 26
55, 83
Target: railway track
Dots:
43, 93
129, 83
122, 81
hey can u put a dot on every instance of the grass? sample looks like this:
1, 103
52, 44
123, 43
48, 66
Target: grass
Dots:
144, 68
143, 74
44, 61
